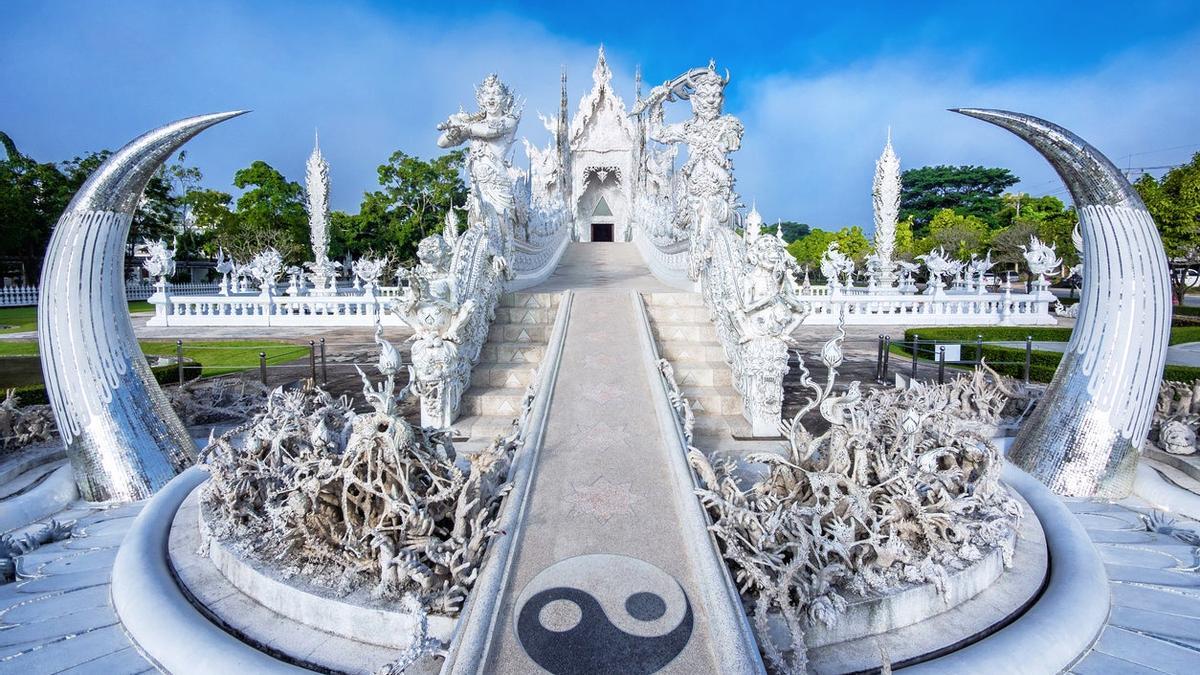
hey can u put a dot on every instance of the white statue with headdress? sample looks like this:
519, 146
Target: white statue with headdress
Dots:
770, 305
432, 308
707, 175
489, 135
835, 265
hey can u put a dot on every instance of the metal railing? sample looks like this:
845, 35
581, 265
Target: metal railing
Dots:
957, 354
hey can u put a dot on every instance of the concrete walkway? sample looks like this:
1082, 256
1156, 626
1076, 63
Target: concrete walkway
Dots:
603, 266
601, 580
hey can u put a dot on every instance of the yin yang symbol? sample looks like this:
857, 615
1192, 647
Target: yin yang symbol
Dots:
603, 614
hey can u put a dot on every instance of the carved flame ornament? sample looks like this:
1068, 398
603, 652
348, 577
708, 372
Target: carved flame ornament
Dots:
1085, 435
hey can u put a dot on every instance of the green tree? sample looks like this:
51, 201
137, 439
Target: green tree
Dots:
959, 235
1052, 221
160, 213
807, 250
32, 197
1174, 203
854, 243
904, 246
270, 213
968, 190
793, 230
411, 204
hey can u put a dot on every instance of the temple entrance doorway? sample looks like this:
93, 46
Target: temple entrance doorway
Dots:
602, 231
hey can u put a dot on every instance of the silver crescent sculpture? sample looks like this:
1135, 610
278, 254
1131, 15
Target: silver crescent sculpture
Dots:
122, 436
1085, 436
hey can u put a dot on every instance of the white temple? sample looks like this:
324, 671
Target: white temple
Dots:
605, 156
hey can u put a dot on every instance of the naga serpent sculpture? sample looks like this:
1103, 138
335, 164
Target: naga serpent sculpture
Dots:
1085, 436
122, 436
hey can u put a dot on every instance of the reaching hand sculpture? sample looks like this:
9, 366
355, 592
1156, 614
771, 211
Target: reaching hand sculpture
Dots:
489, 135
707, 175
437, 317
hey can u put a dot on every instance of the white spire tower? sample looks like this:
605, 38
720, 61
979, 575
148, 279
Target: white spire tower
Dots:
885, 194
317, 178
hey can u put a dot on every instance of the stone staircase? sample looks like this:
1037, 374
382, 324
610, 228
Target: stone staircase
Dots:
508, 363
688, 339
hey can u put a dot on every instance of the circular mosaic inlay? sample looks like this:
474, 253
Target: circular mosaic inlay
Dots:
603, 613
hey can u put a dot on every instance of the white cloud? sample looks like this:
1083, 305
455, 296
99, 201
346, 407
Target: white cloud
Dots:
811, 143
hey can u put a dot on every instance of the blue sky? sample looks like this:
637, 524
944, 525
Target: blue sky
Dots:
816, 87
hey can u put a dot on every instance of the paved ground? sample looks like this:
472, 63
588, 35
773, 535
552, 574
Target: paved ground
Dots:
601, 267
601, 525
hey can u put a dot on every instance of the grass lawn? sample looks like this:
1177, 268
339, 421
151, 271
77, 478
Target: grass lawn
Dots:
21, 319
217, 358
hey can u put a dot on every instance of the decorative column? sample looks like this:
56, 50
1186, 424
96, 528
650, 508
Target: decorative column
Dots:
323, 275
885, 193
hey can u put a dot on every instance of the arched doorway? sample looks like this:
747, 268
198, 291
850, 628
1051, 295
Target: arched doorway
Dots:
602, 221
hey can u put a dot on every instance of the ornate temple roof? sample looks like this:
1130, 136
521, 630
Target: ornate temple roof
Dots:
602, 121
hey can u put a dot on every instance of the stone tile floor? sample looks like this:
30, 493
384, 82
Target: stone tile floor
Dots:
58, 618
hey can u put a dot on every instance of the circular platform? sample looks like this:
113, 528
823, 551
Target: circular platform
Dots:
290, 619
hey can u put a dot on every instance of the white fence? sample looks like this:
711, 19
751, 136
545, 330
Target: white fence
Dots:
25, 296
943, 309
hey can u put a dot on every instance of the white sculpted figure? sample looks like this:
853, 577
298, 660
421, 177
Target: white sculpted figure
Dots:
707, 175
224, 267
434, 311
266, 268
489, 135
835, 265
979, 268
939, 265
908, 272
1041, 259
161, 262
368, 270
770, 309
770, 302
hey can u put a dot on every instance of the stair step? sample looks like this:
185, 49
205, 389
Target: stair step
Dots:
713, 400
545, 300
541, 315
512, 352
483, 427
703, 374
520, 332
676, 314
502, 375
685, 332
673, 299
680, 352
498, 401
